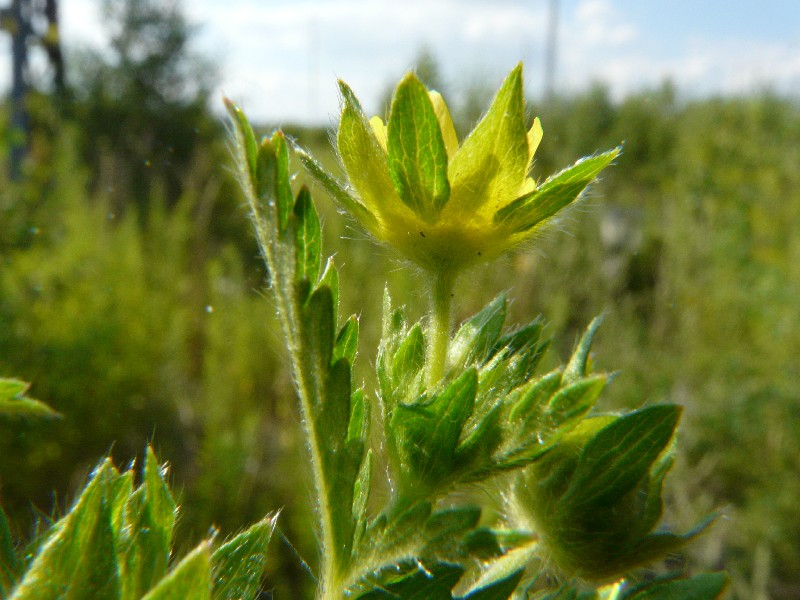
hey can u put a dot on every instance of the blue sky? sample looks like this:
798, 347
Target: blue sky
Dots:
281, 58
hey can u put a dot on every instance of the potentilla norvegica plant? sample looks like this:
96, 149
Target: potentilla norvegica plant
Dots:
581, 489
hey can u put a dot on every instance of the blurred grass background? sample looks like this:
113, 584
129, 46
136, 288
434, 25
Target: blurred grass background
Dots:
133, 299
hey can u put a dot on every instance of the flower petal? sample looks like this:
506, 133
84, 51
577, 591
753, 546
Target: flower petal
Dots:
489, 168
445, 123
379, 129
534, 137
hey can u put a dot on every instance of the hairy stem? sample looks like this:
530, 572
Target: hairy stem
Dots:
441, 290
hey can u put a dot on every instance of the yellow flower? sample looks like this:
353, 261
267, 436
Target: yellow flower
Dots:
442, 205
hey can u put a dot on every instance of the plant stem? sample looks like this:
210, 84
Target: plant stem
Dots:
441, 288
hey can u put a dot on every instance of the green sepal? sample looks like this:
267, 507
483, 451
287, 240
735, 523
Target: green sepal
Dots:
337, 190
238, 565
417, 158
363, 158
558, 191
14, 403
190, 578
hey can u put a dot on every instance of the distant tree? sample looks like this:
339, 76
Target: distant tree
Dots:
142, 105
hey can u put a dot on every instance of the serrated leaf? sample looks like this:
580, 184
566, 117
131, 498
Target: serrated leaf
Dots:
707, 586
417, 158
308, 239
58, 564
318, 330
554, 194
346, 341
493, 160
333, 418
429, 432
237, 565
190, 578
14, 403
620, 454
475, 339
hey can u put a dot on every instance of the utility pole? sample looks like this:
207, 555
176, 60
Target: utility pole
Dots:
18, 20
550, 52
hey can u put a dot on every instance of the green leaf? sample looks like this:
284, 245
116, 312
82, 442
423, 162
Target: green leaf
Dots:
577, 366
358, 426
330, 279
429, 432
161, 507
620, 454
308, 239
554, 194
144, 541
347, 341
493, 160
415, 581
97, 575
237, 565
66, 563
361, 490
575, 400
409, 358
476, 338
445, 530
190, 578
417, 157
707, 586
14, 403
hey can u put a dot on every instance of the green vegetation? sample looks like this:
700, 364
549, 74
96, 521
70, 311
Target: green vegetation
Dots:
144, 321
